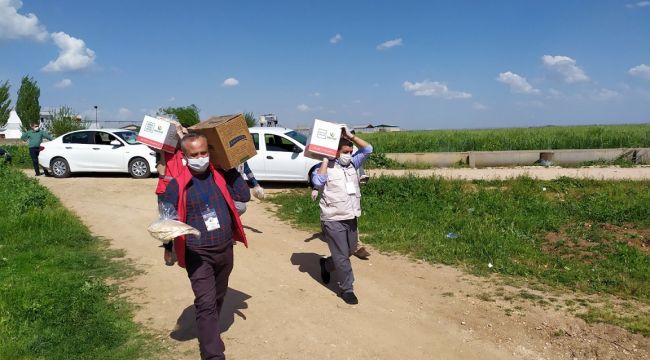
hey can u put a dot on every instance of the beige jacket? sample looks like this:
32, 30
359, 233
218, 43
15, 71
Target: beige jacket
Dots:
341, 196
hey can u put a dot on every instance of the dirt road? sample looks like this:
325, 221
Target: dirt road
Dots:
276, 307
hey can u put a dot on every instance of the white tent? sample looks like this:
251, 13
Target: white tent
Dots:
12, 129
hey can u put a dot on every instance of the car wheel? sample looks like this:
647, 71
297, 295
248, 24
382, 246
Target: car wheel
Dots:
139, 168
60, 168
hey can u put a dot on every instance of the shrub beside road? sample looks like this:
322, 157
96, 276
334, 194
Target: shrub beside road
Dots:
55, 302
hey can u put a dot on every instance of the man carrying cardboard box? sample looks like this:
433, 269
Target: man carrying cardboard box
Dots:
204, 199
340, 206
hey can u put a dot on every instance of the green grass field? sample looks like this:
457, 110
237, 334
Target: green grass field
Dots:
570, 234
551, 137
55, 302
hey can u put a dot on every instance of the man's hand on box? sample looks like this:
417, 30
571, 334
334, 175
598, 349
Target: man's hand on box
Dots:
346, 132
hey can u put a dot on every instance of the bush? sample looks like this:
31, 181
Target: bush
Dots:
64, 120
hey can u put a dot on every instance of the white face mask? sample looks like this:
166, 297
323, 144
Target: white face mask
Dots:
345, 159
35, 128
199, 165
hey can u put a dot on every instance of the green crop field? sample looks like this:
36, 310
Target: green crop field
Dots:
551, 137
55, 302
586, 235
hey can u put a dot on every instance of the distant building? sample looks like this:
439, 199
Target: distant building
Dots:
132, 127
369, 128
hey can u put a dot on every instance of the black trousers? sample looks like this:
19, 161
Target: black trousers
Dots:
209, 270
33, 153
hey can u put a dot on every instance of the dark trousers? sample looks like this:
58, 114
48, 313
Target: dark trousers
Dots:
208, 270
341, 237
33, 153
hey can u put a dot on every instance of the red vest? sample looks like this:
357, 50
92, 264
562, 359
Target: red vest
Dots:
183, 179
173, 168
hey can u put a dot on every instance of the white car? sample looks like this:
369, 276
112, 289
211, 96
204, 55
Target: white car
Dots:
280, 155
97, 150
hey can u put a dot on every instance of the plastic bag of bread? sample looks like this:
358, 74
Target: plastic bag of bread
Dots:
167, 228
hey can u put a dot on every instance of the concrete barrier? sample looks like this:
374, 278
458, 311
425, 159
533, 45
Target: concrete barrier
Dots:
439, 159
521, 157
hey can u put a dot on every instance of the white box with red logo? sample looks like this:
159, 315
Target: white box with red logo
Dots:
159, 133
323, 140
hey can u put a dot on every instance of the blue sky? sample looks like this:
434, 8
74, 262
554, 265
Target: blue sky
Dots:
416, 64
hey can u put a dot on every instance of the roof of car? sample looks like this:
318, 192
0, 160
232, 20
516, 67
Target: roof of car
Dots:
271, 129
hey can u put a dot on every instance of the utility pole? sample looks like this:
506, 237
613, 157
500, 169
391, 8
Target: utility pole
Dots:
96, 117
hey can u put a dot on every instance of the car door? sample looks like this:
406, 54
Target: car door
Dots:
77, 150
107, 157
281, 161
256, 163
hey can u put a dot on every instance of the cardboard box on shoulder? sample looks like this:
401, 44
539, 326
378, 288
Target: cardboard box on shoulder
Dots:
229, 141
159, 133
323, 140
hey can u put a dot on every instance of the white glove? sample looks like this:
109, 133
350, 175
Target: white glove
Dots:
258, 192
314, 195
346, 131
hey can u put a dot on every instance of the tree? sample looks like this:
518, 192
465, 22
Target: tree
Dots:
64, 120
27, 105
250, 119
5, 103
186, 115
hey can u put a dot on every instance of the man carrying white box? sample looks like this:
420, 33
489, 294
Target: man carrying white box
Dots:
340, 206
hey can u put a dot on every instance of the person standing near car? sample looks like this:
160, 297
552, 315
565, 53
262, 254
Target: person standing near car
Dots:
204, 199
34, 138
340, 206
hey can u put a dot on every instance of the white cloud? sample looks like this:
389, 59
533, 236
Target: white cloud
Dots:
63, 84
171, 99
479, 106
518, 84
639, 4
357, 101
336, 39
16, 26
554, 93
230, 82
303, 107
434, 89
124, 113
390, 44
642, 71
73, 54
604, 95
565, 67
314, 94
366, 113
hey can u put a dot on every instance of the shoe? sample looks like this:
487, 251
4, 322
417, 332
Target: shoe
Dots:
363, 179
169, 258
324, 274
361, 253
37, 174
349, 298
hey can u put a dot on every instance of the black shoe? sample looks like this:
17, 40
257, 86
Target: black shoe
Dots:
324, 274
349, 298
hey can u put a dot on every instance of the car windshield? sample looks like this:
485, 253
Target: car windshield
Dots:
128, 136
297, 136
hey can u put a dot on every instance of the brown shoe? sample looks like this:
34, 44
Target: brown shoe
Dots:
362, 253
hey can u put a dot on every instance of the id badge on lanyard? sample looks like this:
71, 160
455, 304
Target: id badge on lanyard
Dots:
209, 214
210, 218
